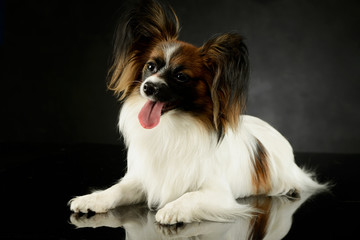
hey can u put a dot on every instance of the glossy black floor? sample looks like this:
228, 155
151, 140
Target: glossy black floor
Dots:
38, 180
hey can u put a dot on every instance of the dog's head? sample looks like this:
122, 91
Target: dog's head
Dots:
210, 82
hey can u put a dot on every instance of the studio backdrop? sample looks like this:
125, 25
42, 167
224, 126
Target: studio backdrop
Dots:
305, 61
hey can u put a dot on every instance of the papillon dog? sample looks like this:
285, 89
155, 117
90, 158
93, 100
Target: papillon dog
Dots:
191, 150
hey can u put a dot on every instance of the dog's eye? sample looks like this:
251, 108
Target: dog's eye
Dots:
151, 67
181, 77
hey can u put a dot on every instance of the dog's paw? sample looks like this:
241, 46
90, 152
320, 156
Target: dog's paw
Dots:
174, 213
96, 202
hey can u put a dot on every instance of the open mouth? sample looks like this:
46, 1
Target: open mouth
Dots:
150, 113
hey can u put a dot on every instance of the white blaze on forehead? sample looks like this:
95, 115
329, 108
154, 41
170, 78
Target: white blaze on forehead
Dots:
169, 50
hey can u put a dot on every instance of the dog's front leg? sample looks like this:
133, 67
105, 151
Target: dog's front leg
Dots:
202, 205
127, 191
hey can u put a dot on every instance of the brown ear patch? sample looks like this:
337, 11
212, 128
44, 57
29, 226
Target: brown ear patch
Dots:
261, 175
138, 32
226, 58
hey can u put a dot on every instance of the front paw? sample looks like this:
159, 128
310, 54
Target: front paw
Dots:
173, 213
95, 202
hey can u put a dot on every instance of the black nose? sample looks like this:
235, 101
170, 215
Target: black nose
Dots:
150, 89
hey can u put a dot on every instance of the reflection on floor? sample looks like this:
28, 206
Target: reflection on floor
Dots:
272, 221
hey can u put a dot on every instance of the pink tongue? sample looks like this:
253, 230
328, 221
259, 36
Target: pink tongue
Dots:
149, 116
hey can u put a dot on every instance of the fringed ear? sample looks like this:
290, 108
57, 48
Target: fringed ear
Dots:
226, 57
138, 32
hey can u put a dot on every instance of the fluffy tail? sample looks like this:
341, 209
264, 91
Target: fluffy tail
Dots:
306, 182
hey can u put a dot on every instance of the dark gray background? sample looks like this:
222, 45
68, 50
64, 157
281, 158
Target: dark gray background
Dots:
305, 58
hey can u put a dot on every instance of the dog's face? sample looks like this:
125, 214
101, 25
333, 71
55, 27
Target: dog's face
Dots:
175, 74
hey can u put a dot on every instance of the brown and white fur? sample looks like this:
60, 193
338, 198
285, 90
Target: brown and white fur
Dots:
191, 151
